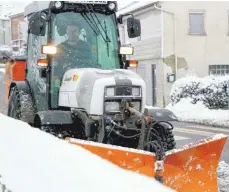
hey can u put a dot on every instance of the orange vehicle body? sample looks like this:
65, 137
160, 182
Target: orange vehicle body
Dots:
14, 71
192, 168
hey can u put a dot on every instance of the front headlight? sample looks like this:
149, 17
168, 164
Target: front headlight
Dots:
136, 91
110, 92
112, 107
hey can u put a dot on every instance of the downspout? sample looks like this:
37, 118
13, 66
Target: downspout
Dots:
174, 28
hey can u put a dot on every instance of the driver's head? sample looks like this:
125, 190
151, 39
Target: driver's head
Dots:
73, 32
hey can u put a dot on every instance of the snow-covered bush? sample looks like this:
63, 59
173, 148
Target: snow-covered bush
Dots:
211, 90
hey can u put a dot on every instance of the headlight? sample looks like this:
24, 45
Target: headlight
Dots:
126, 50
136, 91
58, 4
112, 107
110, 92
112, 6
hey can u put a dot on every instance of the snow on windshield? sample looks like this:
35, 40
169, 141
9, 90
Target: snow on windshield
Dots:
36, 161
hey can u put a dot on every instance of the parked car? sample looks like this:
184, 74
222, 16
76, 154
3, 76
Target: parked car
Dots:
161, 114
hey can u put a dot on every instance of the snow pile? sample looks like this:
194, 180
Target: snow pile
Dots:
223, 176
2, 70
186, 111
211, 90
32, 160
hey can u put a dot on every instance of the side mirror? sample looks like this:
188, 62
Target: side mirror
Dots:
37, 24
133, 27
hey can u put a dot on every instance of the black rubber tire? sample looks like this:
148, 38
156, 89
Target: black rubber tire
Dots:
14, 107
165, 135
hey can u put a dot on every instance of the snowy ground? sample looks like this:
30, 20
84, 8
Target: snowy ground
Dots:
223, 177
32, 160
2, 70
198, 113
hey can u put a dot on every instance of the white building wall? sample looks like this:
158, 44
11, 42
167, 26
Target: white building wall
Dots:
4, 32
147, 50
195, 52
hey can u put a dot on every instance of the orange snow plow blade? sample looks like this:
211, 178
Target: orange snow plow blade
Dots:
192, 168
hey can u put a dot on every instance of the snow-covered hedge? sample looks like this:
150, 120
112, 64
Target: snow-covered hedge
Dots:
211, 90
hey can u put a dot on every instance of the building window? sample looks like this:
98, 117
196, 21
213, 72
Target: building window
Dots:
196, 23
218, 69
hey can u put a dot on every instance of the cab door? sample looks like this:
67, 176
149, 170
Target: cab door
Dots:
36, 75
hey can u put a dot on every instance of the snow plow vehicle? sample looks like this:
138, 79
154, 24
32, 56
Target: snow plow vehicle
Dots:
74, 83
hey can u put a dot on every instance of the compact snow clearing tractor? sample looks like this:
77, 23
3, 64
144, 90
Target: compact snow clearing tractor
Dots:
74, 83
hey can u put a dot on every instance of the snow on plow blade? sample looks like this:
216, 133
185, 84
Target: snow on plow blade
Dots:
190, 168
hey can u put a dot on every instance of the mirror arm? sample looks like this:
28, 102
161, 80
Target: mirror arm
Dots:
120, 18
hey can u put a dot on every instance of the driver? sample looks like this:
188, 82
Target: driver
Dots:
73, 53
73, 44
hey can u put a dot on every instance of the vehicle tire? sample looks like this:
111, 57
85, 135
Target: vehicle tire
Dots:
164, 133
21, 105
14, 108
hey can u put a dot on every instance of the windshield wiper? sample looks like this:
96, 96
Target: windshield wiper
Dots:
104, 30
105, 25
107, 40
84, 16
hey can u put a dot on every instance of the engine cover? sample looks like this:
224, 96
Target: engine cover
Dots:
85, 88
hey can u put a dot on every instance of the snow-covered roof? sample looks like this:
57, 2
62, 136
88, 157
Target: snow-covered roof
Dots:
134, 6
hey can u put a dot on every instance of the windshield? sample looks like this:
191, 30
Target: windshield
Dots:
83, 41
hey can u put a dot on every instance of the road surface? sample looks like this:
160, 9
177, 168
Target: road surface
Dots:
185, 132
190, 132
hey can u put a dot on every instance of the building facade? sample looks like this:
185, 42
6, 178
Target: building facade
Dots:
4, 31
180, 38
18, 29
